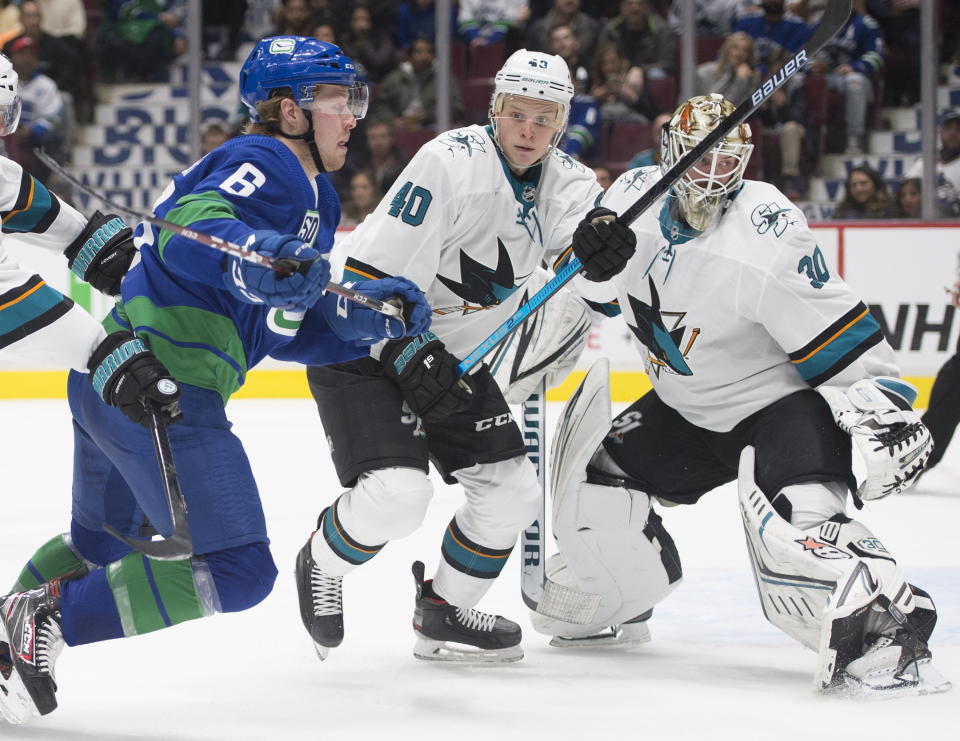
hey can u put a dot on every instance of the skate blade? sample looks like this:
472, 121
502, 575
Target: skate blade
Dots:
918, 679
428, 650
322, 651
621, 636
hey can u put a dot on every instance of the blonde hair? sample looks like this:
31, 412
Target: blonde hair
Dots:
269, 113
724, 54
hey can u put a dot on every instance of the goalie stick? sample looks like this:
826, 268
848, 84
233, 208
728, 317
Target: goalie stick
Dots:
179, 546
533, 539
834, 18
284, 266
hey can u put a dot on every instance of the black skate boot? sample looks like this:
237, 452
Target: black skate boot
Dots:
30, 628
449, 633
321, 603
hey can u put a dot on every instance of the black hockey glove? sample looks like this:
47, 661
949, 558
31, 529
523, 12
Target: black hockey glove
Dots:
128, 376
603, 244
102, 253
427, 376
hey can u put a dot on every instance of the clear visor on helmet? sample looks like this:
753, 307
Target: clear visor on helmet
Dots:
9, 117
718, 172
521, 109
335, 100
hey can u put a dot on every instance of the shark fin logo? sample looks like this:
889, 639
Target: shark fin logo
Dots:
662, 343
482, 285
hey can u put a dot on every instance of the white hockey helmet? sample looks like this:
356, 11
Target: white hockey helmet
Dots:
535, 75
9, 97
704, 188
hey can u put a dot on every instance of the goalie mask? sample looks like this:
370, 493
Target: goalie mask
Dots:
9, 97
540, 77
704, 189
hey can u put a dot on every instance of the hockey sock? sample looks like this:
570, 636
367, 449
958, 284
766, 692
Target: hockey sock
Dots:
339, 540
55, 558
469, 557
135, 595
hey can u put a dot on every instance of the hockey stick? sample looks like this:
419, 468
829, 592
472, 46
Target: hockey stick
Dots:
284, 266
834, 18
532, 540
179, 546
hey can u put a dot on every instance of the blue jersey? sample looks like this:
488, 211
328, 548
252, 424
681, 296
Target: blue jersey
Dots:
176, 295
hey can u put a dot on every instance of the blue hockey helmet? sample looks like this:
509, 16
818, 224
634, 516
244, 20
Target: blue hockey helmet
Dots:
299, 63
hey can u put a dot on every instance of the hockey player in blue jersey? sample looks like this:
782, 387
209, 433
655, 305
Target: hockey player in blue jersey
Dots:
209, 318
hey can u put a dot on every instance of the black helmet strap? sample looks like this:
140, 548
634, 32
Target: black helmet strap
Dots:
309, 138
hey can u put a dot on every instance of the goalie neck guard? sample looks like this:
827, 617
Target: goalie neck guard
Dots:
703, 190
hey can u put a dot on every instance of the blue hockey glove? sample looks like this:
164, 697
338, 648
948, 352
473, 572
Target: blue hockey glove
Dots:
102, 252
353, 322
256, 284
128, 376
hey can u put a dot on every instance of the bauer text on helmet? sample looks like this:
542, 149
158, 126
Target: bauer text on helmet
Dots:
531, 90
9, 97
298, 66
703, 190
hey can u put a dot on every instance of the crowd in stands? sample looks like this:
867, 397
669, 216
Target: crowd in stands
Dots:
623, 57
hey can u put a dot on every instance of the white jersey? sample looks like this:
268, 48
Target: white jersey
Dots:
742, 315
469, 232
39, 326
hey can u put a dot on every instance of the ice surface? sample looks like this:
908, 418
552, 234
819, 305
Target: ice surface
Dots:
714, 670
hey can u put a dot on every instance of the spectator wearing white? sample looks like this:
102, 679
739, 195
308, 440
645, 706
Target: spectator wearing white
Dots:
64, 17
948, 159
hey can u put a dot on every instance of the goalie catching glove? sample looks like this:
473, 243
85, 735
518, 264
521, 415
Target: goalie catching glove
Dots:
427, 375
102, 253
893, 441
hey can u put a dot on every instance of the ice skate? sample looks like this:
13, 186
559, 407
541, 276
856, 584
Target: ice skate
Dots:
449, 633
321, 603
30, 630
894, 665
631, 633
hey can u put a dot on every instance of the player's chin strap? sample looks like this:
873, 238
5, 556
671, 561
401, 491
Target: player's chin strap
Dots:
307, 137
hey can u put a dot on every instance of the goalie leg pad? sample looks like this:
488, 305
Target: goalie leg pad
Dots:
616, 562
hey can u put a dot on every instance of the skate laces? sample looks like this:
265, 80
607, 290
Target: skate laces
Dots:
49, 642
476, 620
327, 593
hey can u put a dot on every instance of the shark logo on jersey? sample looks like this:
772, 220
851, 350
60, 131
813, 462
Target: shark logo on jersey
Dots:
663, 344
636, 178
464, 140
482, 285
567, 161
769, 216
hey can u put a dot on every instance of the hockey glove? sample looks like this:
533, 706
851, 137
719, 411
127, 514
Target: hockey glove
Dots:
603, 244
128, 376
102, 253
427, 376
354, 322
258, 284
893, 441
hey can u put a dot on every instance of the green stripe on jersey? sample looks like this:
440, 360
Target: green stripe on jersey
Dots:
193, 208
204, 341
151, 595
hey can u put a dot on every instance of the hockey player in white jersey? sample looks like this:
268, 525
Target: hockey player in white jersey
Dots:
470, 218
42, 328
741, 322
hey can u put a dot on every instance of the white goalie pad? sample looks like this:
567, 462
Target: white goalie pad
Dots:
812, 582
546, 346
611, 566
